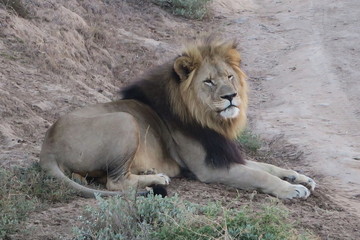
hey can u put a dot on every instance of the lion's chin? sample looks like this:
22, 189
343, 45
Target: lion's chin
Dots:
230, 112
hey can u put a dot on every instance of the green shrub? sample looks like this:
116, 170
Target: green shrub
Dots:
250, 142
36, 183
194, 9
24, 190
14, 204
171, 218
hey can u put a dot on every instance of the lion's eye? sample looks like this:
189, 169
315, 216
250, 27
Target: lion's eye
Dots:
231, 77
209, 82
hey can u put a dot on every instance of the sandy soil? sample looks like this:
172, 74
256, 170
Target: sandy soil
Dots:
310, 77
302, 67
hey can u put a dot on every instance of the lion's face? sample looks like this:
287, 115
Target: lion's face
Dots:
212, 88
217, 86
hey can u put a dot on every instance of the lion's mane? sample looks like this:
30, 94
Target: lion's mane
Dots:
177, 103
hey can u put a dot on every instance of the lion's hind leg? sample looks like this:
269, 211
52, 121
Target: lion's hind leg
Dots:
286, 174
133, 181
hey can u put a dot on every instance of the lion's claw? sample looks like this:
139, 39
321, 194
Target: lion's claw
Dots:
301, 179
166, 179
302, 192
311, 184
293, 191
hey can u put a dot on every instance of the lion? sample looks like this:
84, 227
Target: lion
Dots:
184, 116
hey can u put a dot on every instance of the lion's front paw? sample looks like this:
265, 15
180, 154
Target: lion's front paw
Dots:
293, 191
302, 179
163, 179
309, 183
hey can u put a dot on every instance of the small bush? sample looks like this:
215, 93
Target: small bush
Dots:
171, 218
36, 183
14, 204
250, 142
193, 9
16, 6
24, 190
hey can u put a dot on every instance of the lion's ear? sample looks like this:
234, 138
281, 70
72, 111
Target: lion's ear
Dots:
183, 67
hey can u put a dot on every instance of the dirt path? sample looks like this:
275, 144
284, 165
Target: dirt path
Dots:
305, 76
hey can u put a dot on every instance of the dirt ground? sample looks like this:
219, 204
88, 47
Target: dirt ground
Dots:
301, 59
311, 80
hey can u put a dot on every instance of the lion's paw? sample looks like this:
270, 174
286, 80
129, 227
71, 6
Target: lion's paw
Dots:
302, 179
309, 183
79, 179
164, 179
294, 191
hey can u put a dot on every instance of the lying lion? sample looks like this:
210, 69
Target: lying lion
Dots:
184, 115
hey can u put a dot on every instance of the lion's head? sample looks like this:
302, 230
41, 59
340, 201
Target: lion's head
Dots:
211, 89
203, 86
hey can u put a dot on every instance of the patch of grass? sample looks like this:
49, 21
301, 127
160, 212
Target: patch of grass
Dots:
171, 218
14, 204
193, 9
8, 56
45, 188
251, 143
24, 190
16, 6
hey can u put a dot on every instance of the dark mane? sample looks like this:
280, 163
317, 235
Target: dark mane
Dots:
152, 91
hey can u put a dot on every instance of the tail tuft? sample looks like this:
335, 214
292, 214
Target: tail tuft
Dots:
159, 190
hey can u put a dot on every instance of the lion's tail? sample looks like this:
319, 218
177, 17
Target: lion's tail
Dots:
54, 170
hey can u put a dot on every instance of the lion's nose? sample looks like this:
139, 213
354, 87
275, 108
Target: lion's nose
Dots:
229, 96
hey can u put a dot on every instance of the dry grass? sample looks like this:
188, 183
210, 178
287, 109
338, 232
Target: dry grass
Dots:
15, 6
172, 218
193, 9
24, 190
